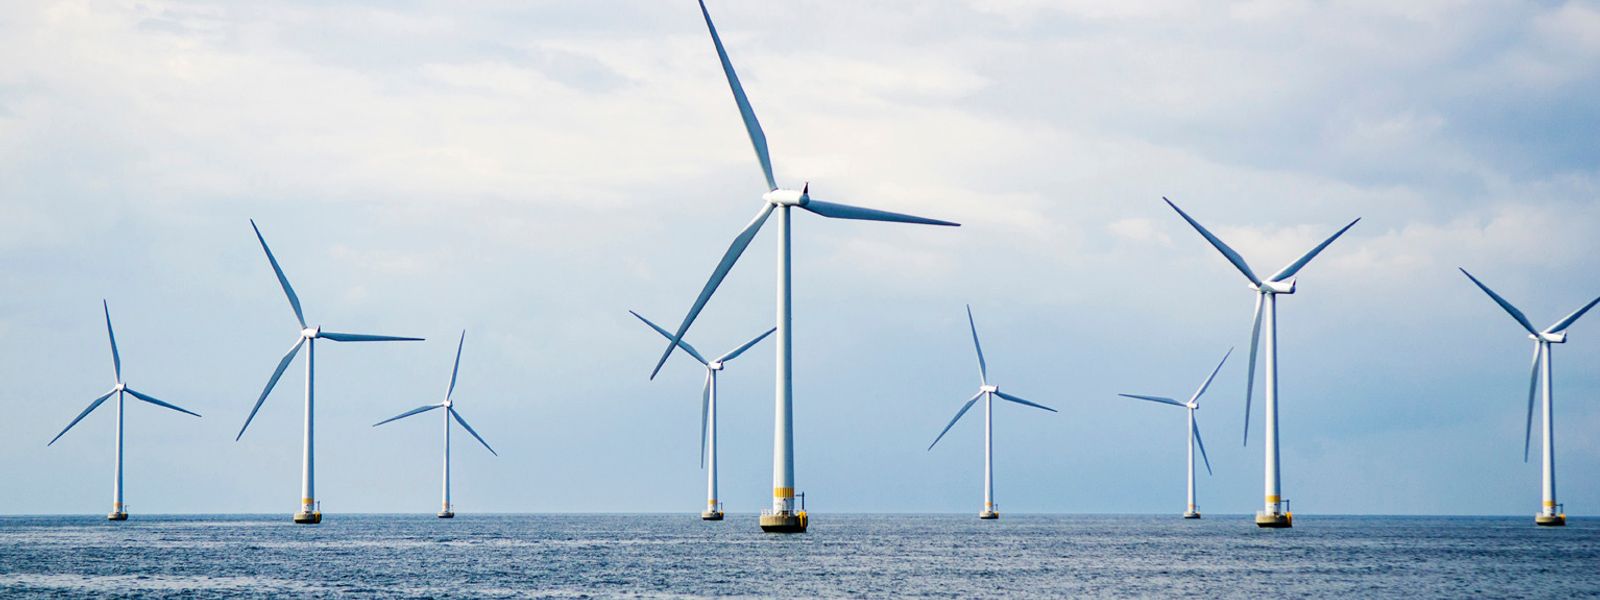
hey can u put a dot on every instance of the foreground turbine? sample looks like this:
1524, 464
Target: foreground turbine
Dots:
783, 516
708, 411
1275, 513
987, 392
1193, 510
449, 411
309, 512
1550, 512
119, 511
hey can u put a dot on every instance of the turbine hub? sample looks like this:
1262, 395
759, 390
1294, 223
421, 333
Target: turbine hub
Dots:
120, 386
989, 389
1553, 338
1275, 287
715, 366
783, 197
311, 332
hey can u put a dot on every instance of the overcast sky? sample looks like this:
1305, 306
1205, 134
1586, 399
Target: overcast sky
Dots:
530, 171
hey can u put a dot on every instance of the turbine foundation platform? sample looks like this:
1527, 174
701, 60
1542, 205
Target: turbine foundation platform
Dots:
308, 518
117, 516
1275, 520
712, 515
1544, 520
445, 514
989, 514
784, 522
1191, 515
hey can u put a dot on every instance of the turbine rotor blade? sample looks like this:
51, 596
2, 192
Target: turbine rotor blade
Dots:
116, 358
1017, 400
1563, 324
1250, 368
963, 411
1160, 399
1533, 389
728, 259
456, 369
414, 411
92, 405
362, 337
758, 138
1204, 386
844, 211
282, 365
1295, 266
469, 429
667, 334
152, 400
1233, 257
983, 366
294, 301
1515, 314
747, 345
1196, 425
705, 413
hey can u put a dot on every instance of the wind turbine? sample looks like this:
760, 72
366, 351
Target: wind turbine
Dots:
987, 392
1550, 513
449, 411
309, 512
1193, 511
119, 510
708, 411
1267, 291
784, 516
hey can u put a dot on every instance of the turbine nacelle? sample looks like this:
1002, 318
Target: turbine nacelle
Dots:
1551, 338
311, 333
714, 365
989, 389
120, 386
1275, 287
782, 197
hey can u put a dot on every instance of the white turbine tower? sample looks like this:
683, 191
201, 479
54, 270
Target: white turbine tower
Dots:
987, 392
785, 516
309, 512
1275, 513
1193, 510
449, 411
708, 411
119, 511
1550, 512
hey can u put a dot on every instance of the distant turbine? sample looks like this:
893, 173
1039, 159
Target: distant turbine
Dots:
708, 411
449, 411
1550, 512
1267, 292
1193, 510
987, 392
309, 512
783, 517
119, 510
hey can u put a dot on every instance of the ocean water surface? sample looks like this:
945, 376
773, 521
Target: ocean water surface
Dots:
947, 556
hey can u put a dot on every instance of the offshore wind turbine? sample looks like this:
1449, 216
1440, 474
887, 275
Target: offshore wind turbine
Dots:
1193, 510
309, 511
987, 392
448, 511
708, 411
119, 510
1275, 512
784, 516
1550, 512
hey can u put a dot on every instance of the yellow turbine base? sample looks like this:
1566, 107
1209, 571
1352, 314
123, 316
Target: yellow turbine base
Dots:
117, 516
1543, 520
1275, 521
989, 514
308, 518
711, 515
784, 523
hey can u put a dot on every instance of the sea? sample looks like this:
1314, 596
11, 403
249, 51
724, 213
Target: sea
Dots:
842, 556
